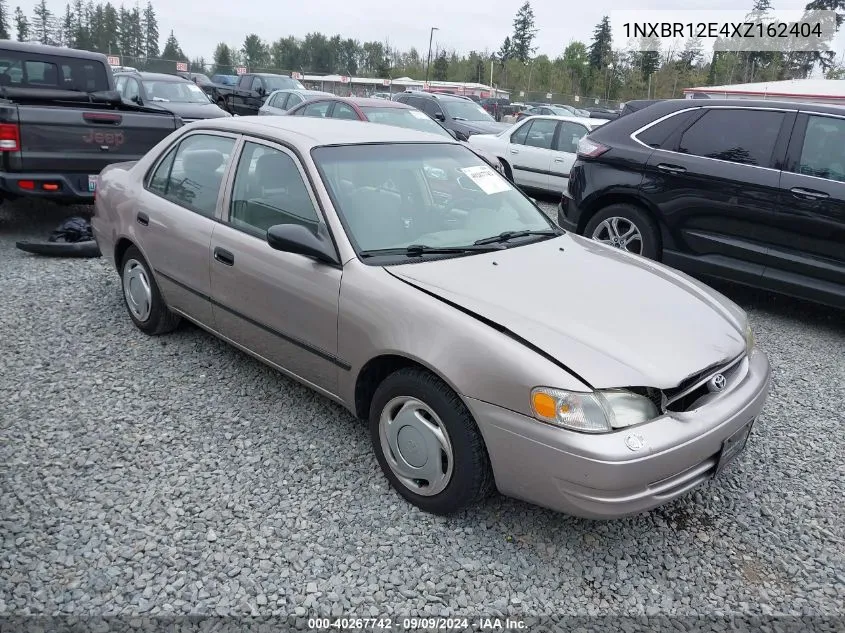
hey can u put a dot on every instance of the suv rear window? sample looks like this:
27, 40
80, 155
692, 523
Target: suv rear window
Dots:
740, 136
20, 69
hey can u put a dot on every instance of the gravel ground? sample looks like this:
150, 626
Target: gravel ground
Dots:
177, 475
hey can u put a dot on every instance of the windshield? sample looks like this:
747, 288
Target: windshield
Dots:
201, 78
466, 110
562, 111
391, 196
174, 91
402, 117
226, 80
282, 83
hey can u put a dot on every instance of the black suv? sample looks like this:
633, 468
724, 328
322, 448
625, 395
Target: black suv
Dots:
463, 116
167, 92
748, 191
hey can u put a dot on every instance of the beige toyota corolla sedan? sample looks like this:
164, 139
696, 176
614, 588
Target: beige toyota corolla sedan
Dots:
396, 273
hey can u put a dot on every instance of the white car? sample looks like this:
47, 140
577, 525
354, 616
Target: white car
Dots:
538, 152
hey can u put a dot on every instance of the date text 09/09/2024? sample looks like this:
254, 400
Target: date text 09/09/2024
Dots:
411, 624
758, 30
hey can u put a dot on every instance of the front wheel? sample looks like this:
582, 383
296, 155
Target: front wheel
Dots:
427, 443
626, 227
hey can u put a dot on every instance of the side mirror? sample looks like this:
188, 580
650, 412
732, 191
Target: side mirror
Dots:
295, 238
439, 116
137, 99
261, 92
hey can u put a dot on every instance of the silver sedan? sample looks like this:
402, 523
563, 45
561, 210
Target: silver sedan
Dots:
398, 274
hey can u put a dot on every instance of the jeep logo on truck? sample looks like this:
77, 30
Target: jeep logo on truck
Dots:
106, 140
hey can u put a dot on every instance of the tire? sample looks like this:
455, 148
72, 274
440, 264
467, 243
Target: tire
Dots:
507, 169
625, 217
468, 479
138, 284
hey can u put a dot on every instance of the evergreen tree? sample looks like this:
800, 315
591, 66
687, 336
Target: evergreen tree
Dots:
43, 24
254, 51
124, 33
601, 49
67, 38
5, 30
21, 25
440, 71
223, 63
172, 51
150, 32
524, 33
108, 29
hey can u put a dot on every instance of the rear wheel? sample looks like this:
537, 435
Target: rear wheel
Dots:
427, 443
143, 299
626, 227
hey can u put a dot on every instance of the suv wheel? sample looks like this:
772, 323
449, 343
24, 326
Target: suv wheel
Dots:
626, 227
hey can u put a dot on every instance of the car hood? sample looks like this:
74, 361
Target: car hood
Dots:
612, 318
482, 127
191, 110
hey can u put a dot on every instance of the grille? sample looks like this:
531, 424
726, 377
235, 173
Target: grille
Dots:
684, 396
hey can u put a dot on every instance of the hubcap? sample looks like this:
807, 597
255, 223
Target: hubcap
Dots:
416, 445
620, 233
136, 289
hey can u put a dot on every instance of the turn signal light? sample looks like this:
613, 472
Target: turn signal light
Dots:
26, 184
50, 186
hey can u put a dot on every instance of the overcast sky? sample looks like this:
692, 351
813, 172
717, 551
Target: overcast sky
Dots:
467, 25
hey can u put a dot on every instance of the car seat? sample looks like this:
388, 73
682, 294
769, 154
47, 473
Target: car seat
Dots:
201, 185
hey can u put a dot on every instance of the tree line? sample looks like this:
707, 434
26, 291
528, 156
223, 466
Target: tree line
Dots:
591, 68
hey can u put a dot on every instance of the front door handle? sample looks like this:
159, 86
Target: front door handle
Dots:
224, 257
560, 160
143, 219
671, 169
514, 151
808, 194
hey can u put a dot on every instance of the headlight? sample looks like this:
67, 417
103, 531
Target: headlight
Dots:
749, 338
596, 412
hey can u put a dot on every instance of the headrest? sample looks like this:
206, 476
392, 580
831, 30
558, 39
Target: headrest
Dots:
276, 170
201, 163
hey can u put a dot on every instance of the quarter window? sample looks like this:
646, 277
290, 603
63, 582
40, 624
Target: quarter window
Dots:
293, 100
190, 175
739, 136
269, 190
823, 153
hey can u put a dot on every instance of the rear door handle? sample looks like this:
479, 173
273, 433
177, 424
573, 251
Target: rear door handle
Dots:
143, 219
224, 257
671, 169
811, 194
560, 160
514, 151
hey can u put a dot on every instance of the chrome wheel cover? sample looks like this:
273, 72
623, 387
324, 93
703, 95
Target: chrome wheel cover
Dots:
137, 290
416, 446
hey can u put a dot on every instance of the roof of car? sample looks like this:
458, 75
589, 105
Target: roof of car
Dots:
303, 91
573, 119
309, 132
30, 47
367, 102
154, 76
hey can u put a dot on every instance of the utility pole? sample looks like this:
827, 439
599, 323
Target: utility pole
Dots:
428, 64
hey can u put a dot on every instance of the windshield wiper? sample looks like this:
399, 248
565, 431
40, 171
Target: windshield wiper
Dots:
510, 235
458, 118
417, 250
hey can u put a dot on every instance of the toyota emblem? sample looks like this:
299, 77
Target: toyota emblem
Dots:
717, 383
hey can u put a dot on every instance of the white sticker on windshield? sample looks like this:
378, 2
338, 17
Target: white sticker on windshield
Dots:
487, 180
418, 114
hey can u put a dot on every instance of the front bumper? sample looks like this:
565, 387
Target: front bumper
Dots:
599, 476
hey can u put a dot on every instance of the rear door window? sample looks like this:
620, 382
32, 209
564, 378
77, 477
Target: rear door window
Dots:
741, 136
318, 109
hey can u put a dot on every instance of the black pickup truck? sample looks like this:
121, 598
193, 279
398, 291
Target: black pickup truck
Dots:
252, 90
61, 122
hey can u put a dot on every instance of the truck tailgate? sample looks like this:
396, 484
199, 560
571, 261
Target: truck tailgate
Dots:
62, 139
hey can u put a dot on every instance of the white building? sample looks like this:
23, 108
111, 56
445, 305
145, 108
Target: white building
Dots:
342, 84
819, 90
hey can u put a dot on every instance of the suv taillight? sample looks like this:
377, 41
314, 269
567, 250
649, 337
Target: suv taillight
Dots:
10, 137
590, 149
